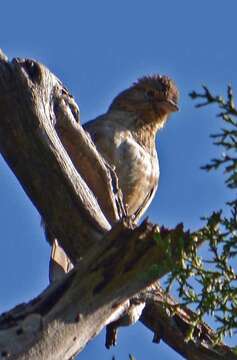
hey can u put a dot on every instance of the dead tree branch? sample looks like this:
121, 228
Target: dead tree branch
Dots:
60, 322
30, 110
173, 328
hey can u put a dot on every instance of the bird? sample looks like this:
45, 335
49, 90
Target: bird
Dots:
126, 137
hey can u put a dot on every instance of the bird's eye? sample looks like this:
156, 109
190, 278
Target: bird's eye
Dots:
150, 93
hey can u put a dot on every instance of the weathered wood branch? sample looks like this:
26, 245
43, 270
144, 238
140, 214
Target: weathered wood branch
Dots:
61, 171
173, 329
60, 322
30, 108
97, 173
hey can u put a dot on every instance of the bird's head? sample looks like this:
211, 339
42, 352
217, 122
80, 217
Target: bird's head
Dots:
152, 98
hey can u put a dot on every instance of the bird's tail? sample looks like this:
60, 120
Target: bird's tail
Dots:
59, 264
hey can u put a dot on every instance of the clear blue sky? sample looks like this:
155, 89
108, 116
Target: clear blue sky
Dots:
98, 48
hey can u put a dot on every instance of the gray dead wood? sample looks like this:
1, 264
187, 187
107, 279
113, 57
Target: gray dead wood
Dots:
33, 102
60, 322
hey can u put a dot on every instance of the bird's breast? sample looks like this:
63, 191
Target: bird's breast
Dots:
137, 168
137, 171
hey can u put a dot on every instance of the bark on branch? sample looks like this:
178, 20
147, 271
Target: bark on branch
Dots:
173, 329
60, 322
61, 171
33, 103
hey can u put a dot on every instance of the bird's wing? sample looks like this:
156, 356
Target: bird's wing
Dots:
102, 133
146, 202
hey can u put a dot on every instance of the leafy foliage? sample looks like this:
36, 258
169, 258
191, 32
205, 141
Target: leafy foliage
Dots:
210, 284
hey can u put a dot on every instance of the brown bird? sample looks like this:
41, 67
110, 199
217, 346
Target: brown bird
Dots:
125, 136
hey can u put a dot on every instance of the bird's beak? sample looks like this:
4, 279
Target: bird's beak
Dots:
172, 105
169, 105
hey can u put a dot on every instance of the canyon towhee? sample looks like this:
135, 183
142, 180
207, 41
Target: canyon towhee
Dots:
125, 136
